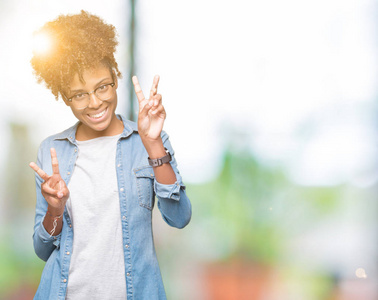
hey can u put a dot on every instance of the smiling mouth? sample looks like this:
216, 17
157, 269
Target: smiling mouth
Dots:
99, 115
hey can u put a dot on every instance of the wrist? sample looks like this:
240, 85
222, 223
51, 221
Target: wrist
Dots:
54, 212
154, 148
160, 161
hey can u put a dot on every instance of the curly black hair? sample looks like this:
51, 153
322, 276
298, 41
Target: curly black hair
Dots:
79, 42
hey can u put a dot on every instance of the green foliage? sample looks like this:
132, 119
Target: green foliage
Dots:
18, 272
248, 208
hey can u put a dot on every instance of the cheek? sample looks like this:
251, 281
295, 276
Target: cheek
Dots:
77, 114
115, 100
113, 105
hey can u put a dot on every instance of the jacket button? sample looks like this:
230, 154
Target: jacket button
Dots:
128, 274
75, 149
121, 190
64, 280
118, 165
68, 173
127, 246
68, 253
123, 217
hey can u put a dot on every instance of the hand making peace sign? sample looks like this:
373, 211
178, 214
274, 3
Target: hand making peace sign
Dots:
151, 111
53, 189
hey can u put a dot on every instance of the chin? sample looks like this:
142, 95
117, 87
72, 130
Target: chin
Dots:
99, 127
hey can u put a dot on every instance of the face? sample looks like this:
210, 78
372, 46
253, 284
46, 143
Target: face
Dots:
98, 118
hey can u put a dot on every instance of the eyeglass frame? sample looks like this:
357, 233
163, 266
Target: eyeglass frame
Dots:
89, 93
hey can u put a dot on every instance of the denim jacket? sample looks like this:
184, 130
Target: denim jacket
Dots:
137, 189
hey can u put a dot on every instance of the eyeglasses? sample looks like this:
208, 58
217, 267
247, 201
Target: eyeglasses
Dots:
103, 92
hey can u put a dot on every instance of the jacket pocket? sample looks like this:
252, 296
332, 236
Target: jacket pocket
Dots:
145, 185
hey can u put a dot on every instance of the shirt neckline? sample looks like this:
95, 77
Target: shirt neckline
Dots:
107, 137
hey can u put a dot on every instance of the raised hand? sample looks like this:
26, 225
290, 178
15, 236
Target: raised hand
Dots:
53, 189
151, 111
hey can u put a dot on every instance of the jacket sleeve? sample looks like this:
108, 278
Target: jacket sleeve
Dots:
173, 202
43, 243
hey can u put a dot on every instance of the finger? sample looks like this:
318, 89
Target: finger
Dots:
61, 189
49, 191
138, 89
154, 86
157, 100
159, 111
63, 192
39, 171
54, 161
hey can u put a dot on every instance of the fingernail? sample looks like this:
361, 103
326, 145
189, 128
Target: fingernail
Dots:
151, 103
60, 195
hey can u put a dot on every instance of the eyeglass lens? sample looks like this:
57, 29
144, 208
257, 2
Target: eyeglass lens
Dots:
103, 93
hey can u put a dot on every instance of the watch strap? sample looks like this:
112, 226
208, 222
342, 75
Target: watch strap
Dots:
156, 162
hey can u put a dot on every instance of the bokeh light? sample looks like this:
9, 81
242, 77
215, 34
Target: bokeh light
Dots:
360, 273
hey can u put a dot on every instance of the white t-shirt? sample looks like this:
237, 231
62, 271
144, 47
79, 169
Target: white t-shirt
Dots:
97, 268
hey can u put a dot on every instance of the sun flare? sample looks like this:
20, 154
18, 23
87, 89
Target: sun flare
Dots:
42, 43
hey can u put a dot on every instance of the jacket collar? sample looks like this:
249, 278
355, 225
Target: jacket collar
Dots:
128, 128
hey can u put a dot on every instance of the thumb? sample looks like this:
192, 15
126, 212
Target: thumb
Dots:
60, 194
144, 112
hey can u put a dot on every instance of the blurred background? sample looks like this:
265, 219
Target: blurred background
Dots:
272, 111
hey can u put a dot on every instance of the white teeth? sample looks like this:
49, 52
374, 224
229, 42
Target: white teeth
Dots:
99, 115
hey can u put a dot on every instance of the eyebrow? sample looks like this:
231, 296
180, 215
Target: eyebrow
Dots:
96, 86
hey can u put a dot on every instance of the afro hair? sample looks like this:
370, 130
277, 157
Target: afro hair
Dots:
78, 42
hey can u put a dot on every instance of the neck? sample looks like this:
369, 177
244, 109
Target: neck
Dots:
84, 133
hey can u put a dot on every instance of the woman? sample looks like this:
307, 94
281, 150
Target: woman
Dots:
93, 213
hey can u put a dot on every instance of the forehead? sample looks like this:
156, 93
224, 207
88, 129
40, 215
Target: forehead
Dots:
90, 77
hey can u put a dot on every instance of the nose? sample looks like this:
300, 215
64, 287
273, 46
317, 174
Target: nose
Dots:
94, 102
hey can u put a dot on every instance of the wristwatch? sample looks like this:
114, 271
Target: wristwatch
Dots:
159, 161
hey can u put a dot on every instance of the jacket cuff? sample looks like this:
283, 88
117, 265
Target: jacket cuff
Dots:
45, 236
170, 191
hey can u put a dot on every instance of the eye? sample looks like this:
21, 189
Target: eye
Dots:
79, 96
103, 87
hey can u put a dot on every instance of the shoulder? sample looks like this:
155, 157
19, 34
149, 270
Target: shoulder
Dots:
129, 125
67, 134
